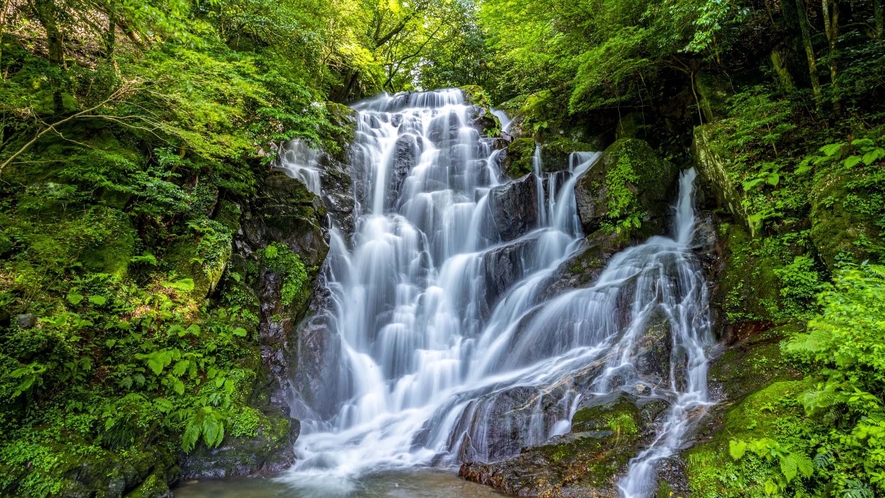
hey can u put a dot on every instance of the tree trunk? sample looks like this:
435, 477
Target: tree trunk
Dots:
880, 18
110, 40
831, 26
809, 48
782, 71
46, 12
3, 5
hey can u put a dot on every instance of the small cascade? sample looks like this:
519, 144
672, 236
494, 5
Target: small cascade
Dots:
448, 348
299, 160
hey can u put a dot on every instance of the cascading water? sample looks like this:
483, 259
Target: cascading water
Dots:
450, 347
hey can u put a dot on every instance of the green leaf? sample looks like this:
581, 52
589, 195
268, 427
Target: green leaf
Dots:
163, 405
771, 487
240, 332
98, 300
178, 387
851, 161
184, 285
75, 298
831, 150
737, 449
180, 367
191, 435
873, 156
789, 466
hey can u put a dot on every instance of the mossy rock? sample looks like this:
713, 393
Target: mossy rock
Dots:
751, 379
606, 434
200, 259
268, 449
713, 92
133, 472
476, 95
750, 289
606, 412
630, 189
519, 158
112, 254
555, 154
840, 230
344, 118
714, 173
630, 126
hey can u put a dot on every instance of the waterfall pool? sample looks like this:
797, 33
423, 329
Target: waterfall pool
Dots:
405, 484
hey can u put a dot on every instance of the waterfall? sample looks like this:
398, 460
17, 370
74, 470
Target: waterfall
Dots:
451, 348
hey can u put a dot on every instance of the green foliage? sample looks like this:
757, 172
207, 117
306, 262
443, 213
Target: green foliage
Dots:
282, 261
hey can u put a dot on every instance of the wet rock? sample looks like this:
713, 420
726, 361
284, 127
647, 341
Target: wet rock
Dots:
606, 433
502, 267
316, 375
26, 320
629, 184
651, 353
514, 207
517, 157
405, 156
338, 181
555, 153
586, 264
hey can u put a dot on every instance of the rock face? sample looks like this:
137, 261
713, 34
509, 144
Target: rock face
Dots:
518, 155
838, 227
630, 189
406, 152
514, 207
145, 474
555, 154
606, 432
269, 451
709, 159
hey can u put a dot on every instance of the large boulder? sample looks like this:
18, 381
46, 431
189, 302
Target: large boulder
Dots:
514, 207
555, 153
268, 449
630, 190
606, 432
841, 225
518, 157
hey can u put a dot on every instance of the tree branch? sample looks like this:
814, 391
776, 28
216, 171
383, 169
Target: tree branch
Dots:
117, 94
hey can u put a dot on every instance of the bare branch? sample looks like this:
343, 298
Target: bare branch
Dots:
118, 94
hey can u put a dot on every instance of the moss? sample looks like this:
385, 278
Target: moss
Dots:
555, 154
201, 255
621, 413
843, 218
759, 390
344, 119
630, 190
715, 173
711, 471
713, 92
476, 95
112, 253
520, 154
750, 287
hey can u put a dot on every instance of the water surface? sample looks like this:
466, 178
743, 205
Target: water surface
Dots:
417, 484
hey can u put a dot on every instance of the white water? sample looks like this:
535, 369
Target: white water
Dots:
298, 160
438, 363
